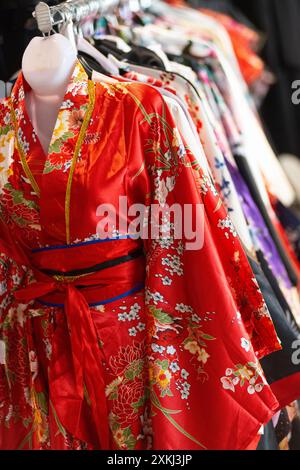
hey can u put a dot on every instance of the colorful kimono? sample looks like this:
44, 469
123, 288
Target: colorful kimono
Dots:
120, 342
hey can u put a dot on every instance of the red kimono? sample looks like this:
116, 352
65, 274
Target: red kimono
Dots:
122, 342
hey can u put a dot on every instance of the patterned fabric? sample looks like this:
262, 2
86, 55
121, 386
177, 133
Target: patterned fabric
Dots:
175, 355
213, 145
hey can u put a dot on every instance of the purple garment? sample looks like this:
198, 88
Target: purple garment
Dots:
259, 231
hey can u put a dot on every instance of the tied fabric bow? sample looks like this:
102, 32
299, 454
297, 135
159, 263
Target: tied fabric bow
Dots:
87, 374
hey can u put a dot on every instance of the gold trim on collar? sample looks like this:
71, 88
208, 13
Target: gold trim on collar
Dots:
84, 126
25, 165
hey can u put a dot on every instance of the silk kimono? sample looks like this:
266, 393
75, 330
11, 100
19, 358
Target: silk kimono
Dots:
120, 342
281, 373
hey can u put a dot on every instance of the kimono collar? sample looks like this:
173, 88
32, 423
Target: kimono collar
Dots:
67, 139
77, 88
69, 120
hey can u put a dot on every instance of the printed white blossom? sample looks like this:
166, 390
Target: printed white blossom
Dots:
122, 317
182, 308
157, 348
186, 386
48, 348
180, 248
245, 344
170, 183
184, 374
132, 331
67, 165
141, 326
171, 350
132, 315
195, 318
135, 308
16, 279
166, 262
174, 367
165, 243
3, 287
225, 224
67, 104
7, 118
166, 281
157, 297
185, 394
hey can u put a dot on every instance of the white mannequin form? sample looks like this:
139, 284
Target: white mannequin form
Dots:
47, 66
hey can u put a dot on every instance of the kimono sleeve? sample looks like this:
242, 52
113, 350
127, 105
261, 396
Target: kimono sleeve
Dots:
198, 258
206, 319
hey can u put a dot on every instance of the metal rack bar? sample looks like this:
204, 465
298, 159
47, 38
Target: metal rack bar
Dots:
74, 10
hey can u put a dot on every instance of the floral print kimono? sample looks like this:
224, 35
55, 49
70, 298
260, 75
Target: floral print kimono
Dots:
120, 343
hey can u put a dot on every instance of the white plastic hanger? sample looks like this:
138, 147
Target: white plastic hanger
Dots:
84, 46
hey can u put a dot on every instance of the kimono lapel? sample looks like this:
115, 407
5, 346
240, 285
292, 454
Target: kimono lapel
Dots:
51, 175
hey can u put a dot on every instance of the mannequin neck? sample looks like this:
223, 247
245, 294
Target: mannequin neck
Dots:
43, 111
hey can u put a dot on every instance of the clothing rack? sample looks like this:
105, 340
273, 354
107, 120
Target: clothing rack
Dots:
76, 10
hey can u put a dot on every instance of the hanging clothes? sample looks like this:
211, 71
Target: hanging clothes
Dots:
142, 349
116, 336
280, 23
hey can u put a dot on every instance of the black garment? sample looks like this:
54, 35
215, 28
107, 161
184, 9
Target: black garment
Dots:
246, 173
295, 437
278, 365
269, 439
283, 429
291, 223
278, 293
280, 20
138, 55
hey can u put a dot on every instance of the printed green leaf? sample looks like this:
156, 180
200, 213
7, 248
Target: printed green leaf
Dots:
113, 396
167, 413
130, 442
49, 168
17, 196
163, 317
138, 403
207, 337
252, 364
42, 402
56, 146
86, 395
58, 423
113, 423
26, 422
127, 432
26, 439
134, 370
4, 130
188, 340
